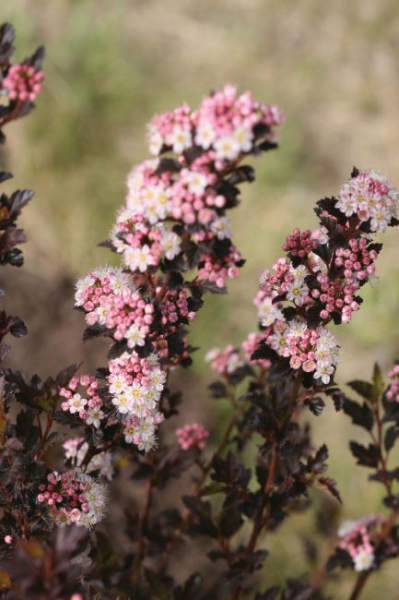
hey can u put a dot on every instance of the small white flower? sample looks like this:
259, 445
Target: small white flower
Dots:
118, 385
363, 561
146, 429
297, 292
170, 244
102, 272
279, 342
76, 403
181, 139
138, 258
134, 336
130, 433
227, 148
147, 445
122, 403
380, 219
149, 193
159, 208
102, 315
196, 182
135, 180
136, 394
157, 379
222, 228
299, 273
121, 281
134, 205
268, 312
323, 371
347, 204
94, 416
244, 138
155, 141
296, 329
151, 397
122, 216
205, 136
153, 359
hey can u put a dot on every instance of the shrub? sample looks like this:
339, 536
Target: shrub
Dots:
69, 443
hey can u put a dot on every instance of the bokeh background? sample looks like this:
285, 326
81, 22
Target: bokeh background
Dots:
333, 69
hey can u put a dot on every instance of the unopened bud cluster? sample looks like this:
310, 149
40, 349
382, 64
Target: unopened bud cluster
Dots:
22, 83
192, 435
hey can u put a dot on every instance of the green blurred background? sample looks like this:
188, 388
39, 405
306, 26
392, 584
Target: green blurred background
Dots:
332, 68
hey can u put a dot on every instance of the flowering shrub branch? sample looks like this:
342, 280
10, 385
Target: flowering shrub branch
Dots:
77, 438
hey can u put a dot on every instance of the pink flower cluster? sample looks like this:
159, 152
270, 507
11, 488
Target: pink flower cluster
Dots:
355, 265
191, 436
371, 198
188, 196
189, 192
143, 245
173, 222
358, 539
332, 292
312, 350
73, 497
223, 126
135, 385
217, 271
286, 282
23, 83
109, 298
172, 130
300, 244
88, 404
323, 272
174, 308
392, 392
224, 361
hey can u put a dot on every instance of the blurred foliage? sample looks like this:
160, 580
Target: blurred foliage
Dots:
332, 67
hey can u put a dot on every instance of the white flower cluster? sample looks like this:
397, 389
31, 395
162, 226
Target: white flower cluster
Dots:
136, 385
